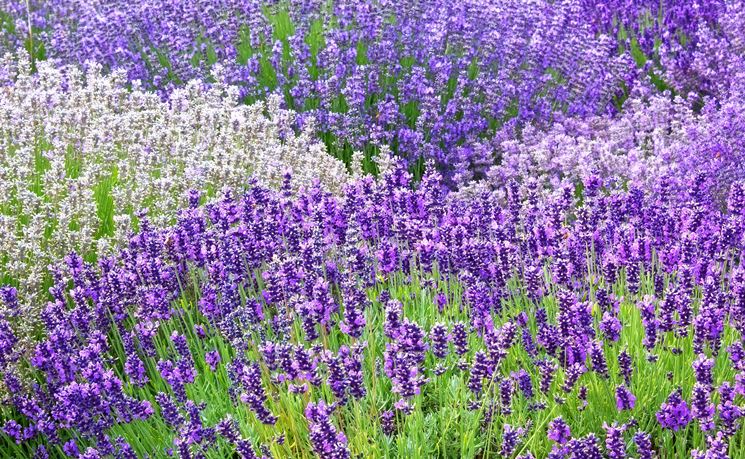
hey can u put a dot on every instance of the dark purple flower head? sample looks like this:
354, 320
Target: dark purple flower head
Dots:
460, 338
212, 358
558, 431
597, 356
702, 409
702, 368
13, 430
547, 370
610, 326
625, 366
643, 445
524, 382
717, 447
572, 375
393, 318
586, 448
481, 368
614, 443
438, 336
625, 399
506, 389
388, 422
326, 440
510, 438
674, 413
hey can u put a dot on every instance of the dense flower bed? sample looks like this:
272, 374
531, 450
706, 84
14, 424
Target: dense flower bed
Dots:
433, 79
347, 229
291, 323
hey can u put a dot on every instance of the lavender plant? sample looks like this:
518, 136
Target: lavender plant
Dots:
182, 274
407, 75
303, 324
81, 156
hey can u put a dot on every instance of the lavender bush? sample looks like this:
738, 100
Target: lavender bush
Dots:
655, 138
82, 155
396, 321
432, 80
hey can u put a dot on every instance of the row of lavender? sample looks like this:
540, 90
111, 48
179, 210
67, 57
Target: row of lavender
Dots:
440, 80
286, 324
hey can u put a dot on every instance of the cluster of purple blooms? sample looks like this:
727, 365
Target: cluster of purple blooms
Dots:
293, 294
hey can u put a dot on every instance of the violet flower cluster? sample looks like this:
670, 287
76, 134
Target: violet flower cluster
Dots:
298, 305
431, 79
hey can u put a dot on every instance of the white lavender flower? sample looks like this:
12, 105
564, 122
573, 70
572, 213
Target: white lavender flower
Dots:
81, 153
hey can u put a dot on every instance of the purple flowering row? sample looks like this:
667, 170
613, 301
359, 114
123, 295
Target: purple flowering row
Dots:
269, 323
438, 80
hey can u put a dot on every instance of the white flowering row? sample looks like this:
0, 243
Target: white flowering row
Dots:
655, 136
81, 154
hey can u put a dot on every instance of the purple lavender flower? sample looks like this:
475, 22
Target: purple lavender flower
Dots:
716, 448
248, 377
460, 338
625, 400
572, 375
643, 445
524, 383
506, 388
169, 411
393, 318
337, 377
212, 358
558, 431
510, 438
625, 366
729, 412
388, 422
326, 441
403, 359
528, 343
547, 370
650, 322
441, 300
353, 366
597, 356
354, 315
614, 443
674, 413
41, 453
439, 338
13, 430
586, 447
610, 326
582, 397
702, 368
480, 369
71, 448
702, 409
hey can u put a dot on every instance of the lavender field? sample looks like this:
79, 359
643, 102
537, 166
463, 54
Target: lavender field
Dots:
372, 229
